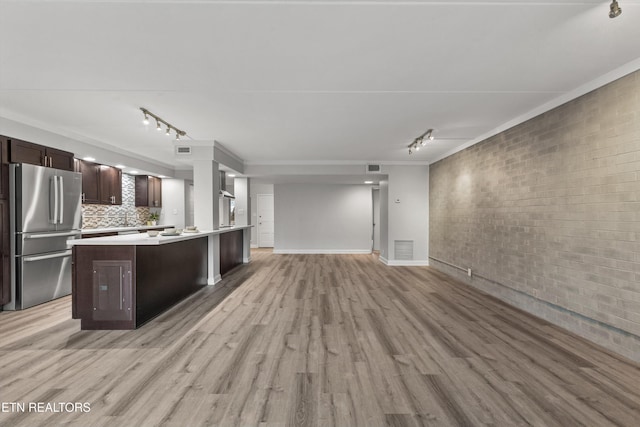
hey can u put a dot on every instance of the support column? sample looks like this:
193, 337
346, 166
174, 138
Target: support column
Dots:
206, 210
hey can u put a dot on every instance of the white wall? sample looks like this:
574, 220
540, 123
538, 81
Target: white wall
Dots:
407, 212
173, 202
241, 188
256, 187
322, 218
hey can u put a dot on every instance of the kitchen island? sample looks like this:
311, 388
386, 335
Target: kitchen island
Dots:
121, 282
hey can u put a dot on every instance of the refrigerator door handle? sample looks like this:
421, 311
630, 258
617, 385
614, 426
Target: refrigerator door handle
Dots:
43, 257
61, 197
53, 200
48, 235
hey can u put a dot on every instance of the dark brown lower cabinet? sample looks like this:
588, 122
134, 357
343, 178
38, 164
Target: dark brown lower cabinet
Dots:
122, 287
230, 250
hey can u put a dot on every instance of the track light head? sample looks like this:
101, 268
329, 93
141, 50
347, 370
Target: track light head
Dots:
177, 136
158, 128
145, 121
168, 133
614, 9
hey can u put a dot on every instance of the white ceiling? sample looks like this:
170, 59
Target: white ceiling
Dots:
307, 81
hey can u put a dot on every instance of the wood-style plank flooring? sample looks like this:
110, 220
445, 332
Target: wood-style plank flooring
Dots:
326, 340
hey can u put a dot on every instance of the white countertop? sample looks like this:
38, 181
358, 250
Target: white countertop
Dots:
88, 231
142, 239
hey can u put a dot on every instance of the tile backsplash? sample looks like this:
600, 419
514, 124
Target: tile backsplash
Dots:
100, 216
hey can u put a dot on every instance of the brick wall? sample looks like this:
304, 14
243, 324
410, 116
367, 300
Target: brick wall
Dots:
547, 215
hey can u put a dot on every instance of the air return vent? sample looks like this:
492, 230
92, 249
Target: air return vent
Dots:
183, 149
403, 249
373, 169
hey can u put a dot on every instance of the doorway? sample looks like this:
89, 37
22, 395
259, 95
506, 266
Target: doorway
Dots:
265, 221
375, 193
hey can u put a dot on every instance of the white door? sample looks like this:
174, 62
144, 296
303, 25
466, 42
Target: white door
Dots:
376, 219
265, 220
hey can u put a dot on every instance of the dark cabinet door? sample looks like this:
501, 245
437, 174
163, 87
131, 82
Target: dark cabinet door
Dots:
110, 185
155, 192
142, 190
90, 181
59, 159
148, 191
117, 186
5, 273
34, 154
26, 152
4, 168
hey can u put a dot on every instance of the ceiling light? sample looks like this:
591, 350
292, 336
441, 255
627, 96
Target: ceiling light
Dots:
368, 182
134, 172
231, 175
89, 159
120, 166
614, 9
421, 141
160, 121
161, 176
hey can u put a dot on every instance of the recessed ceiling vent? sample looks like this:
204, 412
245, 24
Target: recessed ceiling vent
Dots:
373, 169
183, 150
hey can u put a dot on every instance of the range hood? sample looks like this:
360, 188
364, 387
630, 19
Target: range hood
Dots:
223, 186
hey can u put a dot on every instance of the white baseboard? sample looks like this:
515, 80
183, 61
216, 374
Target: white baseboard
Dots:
216, 279
404, 263
246, 260
321, 251
252, 246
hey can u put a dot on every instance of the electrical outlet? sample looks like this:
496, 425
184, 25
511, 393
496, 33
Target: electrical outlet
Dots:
469, 272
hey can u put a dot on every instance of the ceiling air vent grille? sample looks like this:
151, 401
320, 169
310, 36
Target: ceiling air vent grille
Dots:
183, 149
373, 169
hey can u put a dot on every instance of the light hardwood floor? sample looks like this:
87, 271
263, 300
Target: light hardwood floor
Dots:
327, 340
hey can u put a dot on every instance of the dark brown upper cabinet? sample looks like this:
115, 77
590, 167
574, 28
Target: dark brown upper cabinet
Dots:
110, 185
35, 154
148, 191
4, 167
90, 181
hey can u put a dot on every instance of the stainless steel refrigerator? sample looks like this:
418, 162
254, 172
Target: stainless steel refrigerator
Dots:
45, 212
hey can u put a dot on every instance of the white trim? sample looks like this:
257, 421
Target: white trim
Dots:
322, 251
216, 280
246, 260
404, 263
254, 246
337, 163
607, 78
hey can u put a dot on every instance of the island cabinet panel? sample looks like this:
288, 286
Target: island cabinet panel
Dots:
230, 250
112, 291
96, 282
167, 274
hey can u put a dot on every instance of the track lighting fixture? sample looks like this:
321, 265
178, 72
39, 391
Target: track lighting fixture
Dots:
614, 9
421, 141
160, 121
